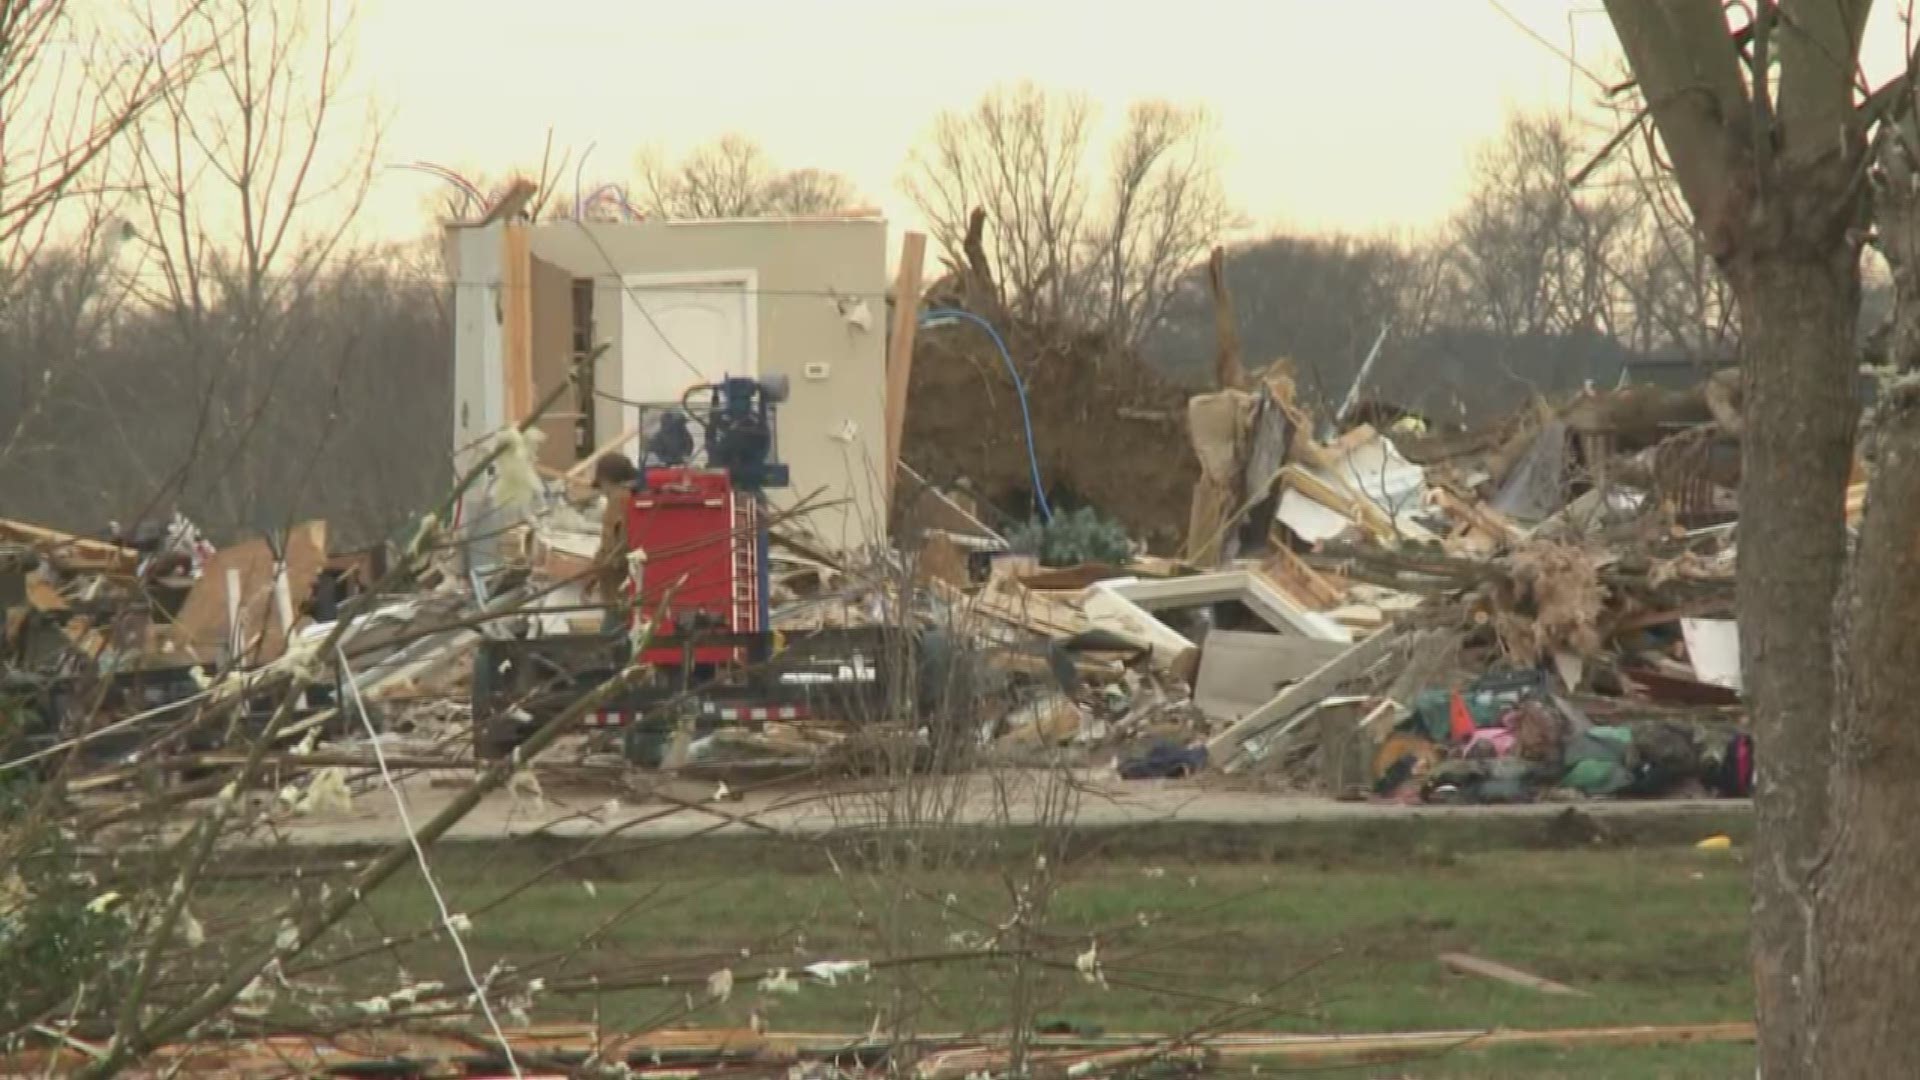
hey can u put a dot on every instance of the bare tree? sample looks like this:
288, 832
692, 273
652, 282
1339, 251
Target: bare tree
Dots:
242, 203
1062, 254
1680, 301
1773, 167
69, 93
1168, 207
1528, 255
733, 177
1318, 301
248, 180
808, 191
1557, 238
1018, 156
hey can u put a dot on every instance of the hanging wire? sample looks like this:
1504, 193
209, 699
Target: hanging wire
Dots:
420, 856
938, 316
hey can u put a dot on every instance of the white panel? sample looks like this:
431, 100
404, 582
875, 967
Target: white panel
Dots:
479, 405
679, 331
1714, 647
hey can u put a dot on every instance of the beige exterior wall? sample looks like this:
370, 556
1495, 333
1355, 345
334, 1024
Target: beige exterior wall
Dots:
832, 429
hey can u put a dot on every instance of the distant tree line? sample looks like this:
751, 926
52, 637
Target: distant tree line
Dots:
183, 320
1562, 265
1572, 255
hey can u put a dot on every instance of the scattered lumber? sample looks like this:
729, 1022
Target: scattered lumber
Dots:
75, 552
949, 1056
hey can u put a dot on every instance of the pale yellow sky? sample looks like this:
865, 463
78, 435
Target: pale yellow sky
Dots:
1356, 115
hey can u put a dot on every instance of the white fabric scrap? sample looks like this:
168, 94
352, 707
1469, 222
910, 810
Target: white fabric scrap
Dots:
832, 971
779, 983
1088, 964
327, 791
516, 482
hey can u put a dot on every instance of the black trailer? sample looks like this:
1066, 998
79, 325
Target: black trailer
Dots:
841, 675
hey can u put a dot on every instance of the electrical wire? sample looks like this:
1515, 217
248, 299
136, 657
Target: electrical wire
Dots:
613, 269
436, 280
426, 871
933, 316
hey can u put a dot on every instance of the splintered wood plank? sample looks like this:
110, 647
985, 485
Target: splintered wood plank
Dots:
1466, 964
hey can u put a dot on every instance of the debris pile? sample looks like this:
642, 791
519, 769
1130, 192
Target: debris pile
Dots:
1542, 609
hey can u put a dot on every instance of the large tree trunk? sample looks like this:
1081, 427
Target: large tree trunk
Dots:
1867, 1010
1798, 301
1868, 1014
1771, 169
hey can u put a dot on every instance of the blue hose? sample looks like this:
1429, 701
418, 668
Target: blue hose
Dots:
934, 316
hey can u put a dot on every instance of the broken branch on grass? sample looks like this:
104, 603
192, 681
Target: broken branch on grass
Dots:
185, 1018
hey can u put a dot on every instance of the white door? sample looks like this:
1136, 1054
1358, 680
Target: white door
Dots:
679, 331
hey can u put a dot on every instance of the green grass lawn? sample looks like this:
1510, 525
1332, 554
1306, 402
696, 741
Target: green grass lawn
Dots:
1330, 938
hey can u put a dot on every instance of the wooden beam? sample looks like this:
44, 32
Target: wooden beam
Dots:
1228, 372
68, 548
1466, 964
1483, 517
906, 318
1293, 575
518, 195
963, 1054
516, 321
1288, 1051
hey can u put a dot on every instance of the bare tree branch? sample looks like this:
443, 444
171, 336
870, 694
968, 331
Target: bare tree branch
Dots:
1062, 254
733, 177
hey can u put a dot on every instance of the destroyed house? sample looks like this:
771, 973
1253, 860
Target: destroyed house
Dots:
678, 304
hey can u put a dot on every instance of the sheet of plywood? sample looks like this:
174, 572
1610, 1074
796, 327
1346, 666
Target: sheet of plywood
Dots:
943, 559
203, 617
1242, 670
43, 596
1310, 520
928, 509
1326, 487
1005, 599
